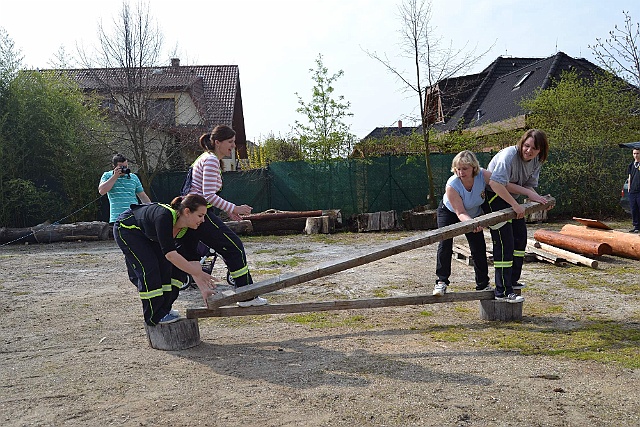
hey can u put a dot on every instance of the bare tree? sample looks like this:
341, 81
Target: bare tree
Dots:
125, 71
433, 62
620, 53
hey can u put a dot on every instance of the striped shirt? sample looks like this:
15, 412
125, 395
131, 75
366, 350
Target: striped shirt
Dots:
122, 194
207, 181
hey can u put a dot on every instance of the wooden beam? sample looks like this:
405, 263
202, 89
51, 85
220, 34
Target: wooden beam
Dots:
303, 307
290, 279
268, 216
568, 256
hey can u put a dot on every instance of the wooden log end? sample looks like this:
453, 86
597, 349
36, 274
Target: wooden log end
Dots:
178, 335
500, 310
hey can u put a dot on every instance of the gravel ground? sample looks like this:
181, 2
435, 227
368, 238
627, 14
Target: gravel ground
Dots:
73, 349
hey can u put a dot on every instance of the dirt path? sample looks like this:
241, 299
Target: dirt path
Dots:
73, 350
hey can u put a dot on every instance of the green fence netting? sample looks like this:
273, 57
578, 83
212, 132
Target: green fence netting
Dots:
585, 182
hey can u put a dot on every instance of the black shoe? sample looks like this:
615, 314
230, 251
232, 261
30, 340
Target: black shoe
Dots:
634, 230
519, 285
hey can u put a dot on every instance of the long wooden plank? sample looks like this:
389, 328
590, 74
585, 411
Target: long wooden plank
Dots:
290, 279
593, 223
338, 305
569, 256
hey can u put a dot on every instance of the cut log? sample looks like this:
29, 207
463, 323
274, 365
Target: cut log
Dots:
427, 238
178, 335
568, 256
376, 221
420, 220
316, 225
280, 225
573, 244
335, 218
244, 227
500, 310
49, 233
270, 215
622, 244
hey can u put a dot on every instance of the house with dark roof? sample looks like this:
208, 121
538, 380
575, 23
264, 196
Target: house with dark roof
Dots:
489, 102
180, 102
384, 141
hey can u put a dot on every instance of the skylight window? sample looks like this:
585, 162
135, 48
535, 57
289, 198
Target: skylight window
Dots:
522, 79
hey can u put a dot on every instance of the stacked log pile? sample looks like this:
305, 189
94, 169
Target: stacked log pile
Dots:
622, 244
50, 233
283, 222
579, 244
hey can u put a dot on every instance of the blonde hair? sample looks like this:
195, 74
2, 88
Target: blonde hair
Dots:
465, 157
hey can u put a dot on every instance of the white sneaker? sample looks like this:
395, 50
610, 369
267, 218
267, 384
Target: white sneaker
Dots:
257, 301
174, 312
440, 288
519, 285
511, 298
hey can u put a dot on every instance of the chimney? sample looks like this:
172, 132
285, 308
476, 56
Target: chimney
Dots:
399, 124
175, 62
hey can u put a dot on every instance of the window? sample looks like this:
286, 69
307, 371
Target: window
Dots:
522, 79
162, 111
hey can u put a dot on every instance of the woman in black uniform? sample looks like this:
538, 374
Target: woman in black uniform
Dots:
145, 234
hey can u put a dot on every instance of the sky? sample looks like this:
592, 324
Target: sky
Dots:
275, 44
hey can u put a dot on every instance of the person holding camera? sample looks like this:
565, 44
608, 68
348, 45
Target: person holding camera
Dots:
122, 187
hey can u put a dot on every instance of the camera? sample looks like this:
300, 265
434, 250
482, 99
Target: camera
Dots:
125, 169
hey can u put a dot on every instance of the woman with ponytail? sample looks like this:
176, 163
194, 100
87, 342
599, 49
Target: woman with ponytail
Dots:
145, 234
214, 233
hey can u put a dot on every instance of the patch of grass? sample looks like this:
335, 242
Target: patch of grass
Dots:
266, 251
383, 292
462, 308
235, 321
544, 310
631, 287
449, 334
620, 279
298, 251
323, 320
597, 340
255, 238
581, 283
289, 262
426, 313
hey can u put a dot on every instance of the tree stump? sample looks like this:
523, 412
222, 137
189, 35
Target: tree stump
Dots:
317, 224
178, 335
491, 309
